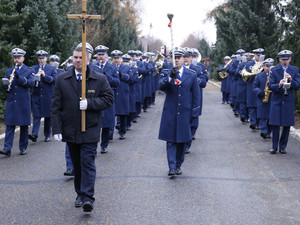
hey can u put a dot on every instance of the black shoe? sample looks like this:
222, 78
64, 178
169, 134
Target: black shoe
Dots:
69, 173
236, 114
87, 206
243, 119
187, 151
178, 171
264, 136
103, 150
268, 136
78, 202
282, 151
122, 136
193, 138
33, 138
111, 137
252, 126
6, 152
118, 127
172, 172
273, 150
134, 121
23, 152
47, 139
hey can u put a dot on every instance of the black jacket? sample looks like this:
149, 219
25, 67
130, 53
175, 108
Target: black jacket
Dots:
65, 112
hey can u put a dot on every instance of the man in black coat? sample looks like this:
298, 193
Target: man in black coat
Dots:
66, 116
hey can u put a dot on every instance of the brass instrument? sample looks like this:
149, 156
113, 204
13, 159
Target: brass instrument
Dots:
158, 64
223, 74
11, 78
267, 89
256, 68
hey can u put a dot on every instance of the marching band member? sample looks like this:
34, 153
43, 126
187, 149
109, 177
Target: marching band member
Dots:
122, 92
132, 85
263, 108
182, 105
284, 79
18, 80
147, 87
251, 97
202, 79
225, 94
110, 71
54, 61
139, 87
241, 97
45, 77
235, 77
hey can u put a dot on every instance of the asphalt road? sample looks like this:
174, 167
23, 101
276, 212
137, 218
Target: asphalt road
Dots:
228, 178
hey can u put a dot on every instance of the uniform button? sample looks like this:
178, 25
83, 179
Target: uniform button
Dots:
178, 113
15, 100
41, 95
15, 93
179, 85
179, 95
178, 103
15, 86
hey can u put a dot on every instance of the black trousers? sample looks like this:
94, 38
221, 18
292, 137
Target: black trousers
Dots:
83, 159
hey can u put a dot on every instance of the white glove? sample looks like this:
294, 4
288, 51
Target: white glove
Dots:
83, 104
57, 137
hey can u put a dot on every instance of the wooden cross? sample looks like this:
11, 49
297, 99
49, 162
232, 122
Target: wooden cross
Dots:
83, 17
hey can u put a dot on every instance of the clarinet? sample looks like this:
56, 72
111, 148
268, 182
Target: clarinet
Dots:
11, 78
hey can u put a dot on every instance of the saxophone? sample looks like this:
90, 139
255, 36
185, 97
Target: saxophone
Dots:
267, 89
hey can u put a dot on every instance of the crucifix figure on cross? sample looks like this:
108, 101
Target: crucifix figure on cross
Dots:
83, 17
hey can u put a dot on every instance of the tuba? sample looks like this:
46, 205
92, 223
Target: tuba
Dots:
223, 74
267, 89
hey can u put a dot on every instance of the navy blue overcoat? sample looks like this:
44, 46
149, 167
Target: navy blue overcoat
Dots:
18, 106
42, 93
282, 109
182, 103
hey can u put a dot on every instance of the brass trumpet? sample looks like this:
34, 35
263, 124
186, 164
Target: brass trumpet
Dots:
256, 68
223, 74
158, 64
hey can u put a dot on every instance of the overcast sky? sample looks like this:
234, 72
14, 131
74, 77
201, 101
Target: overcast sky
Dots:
189, 16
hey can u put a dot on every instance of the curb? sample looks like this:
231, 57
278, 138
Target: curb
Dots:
294, 132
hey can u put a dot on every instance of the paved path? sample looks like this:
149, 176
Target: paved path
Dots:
228, 178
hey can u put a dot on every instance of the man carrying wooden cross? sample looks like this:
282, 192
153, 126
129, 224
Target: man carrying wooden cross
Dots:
66, 109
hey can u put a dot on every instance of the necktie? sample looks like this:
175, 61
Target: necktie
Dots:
178, 76
18, 69
79, 76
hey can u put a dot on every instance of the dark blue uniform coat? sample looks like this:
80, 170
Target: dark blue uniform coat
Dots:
41, 95
122, 91
110, 71
18, 107
282, 110
241, 95
251, 97
259, 84
182, 103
